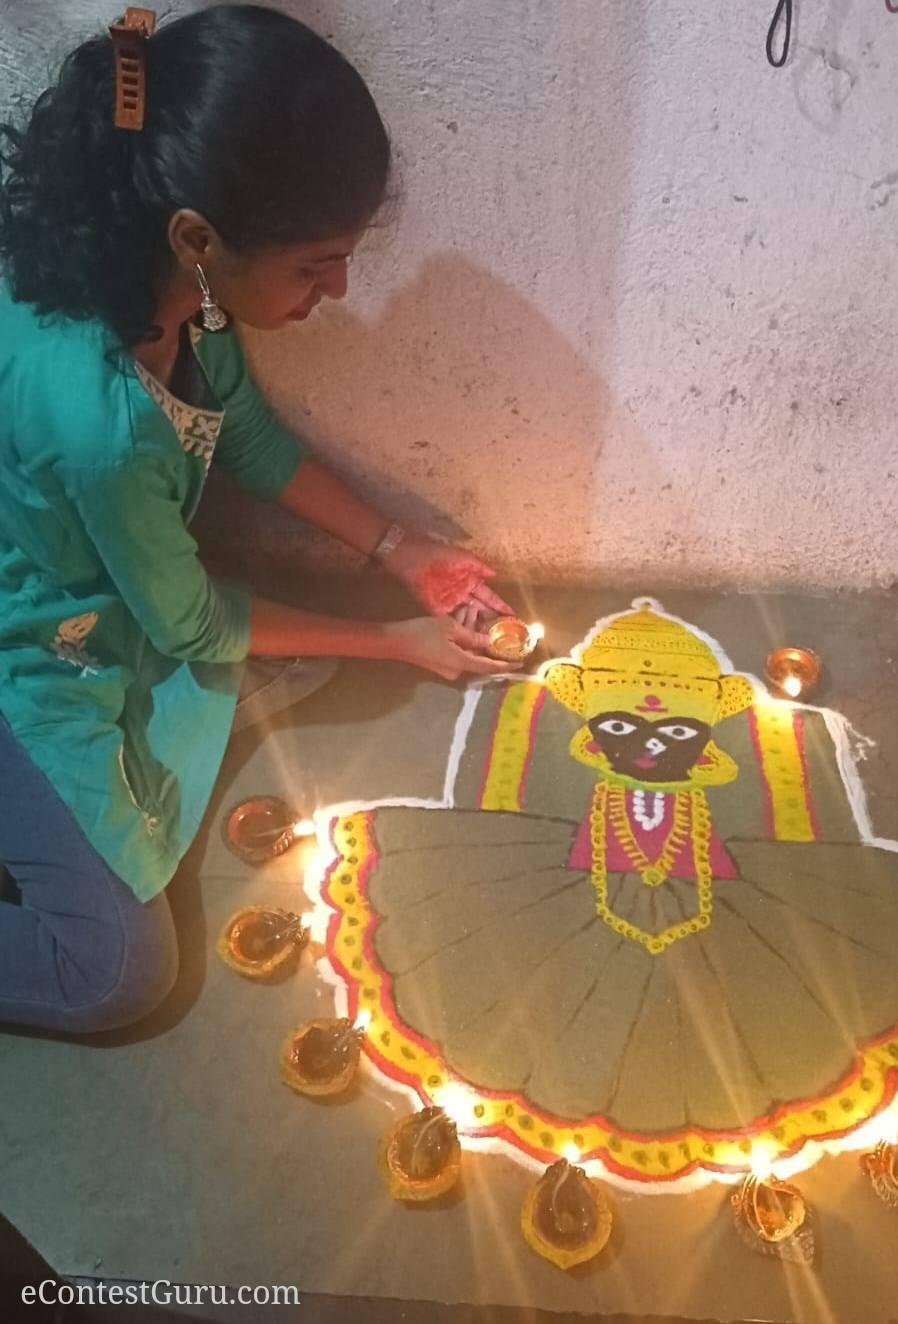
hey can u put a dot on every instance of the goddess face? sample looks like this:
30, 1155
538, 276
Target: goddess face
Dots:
659, 749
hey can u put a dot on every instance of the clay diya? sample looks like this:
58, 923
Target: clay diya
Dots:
512, 640
420, 1158
773, 1218
260, 828
793, 672
566, 1217
257, 941
321, 1058
882, 1168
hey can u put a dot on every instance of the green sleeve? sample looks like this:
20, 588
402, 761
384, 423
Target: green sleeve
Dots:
133, 517
259, 451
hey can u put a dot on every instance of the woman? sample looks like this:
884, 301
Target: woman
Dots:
233, 164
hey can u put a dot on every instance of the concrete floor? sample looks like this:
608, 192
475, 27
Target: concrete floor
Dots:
173, 1151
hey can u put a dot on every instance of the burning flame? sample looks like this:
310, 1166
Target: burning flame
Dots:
457, 1102
792, 686
763, 1153
363, 1020
303, 827
536, 632
572, 1153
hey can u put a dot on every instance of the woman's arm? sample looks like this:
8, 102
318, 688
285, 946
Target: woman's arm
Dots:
441, 576
265, 457
320, 497
137, 527
440, 645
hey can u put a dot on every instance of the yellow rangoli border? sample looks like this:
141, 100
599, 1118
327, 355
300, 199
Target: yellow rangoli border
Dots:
511, 745
408, 1059
779, 745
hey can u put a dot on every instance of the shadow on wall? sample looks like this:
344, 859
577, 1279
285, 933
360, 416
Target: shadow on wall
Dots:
824, 78
461, 410
461, 407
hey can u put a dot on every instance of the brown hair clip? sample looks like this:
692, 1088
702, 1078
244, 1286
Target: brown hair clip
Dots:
128, 36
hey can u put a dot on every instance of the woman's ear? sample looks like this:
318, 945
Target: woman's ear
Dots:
192, 239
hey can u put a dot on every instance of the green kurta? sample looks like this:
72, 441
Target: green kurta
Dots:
117, 650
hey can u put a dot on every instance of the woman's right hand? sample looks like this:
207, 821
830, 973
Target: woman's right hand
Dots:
444, 646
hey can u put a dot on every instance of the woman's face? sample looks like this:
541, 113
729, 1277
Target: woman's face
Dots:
283, 285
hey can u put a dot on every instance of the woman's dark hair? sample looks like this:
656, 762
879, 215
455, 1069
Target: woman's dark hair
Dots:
252, 120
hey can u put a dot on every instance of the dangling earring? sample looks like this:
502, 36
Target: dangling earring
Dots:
213, 317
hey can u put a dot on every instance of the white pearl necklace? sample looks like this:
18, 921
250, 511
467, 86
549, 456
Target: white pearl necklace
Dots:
648, 821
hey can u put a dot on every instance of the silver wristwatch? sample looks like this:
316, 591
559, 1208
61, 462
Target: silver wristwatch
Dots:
389, 542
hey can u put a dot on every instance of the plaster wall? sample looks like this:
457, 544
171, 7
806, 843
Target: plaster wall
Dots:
635, 312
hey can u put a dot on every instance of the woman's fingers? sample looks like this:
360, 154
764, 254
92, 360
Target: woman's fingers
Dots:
473, 644
468, 646
468, 613
485, 571
487, 666
485, 595
472, 640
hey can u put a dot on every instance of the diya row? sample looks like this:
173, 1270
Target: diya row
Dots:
566, 1215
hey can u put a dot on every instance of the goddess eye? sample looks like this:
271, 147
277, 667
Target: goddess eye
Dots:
678, 732
616, 726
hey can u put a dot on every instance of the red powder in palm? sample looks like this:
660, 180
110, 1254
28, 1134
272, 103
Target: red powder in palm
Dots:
443, 585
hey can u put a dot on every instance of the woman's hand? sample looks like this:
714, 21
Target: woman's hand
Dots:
444, 578
444, 646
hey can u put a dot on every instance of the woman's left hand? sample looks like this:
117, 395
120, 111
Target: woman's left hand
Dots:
444, 578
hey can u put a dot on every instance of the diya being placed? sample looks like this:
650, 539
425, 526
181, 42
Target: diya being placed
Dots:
882, 1168
772, 1217
793, 672
513, 640
257, 941
566, 1217
322, 1057
420, 1158
261, 828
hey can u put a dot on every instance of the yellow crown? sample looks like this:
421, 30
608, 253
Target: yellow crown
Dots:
641, 654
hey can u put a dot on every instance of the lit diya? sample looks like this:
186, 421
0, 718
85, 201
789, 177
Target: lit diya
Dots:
882, 1168
793, 672
261, 828
259, 940
420, 1158
322, 1057
772, 1217
513, 640
566, 1217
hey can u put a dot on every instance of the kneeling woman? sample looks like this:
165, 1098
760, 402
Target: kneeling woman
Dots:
239, 176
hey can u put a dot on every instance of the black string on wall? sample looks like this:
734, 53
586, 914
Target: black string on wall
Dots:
781, 18
779, 34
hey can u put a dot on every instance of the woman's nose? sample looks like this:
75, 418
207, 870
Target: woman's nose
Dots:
655, 746
335, 284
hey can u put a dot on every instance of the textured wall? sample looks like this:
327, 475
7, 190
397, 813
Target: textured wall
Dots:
637, 311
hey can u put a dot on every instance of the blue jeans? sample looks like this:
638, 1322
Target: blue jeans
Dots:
81, 953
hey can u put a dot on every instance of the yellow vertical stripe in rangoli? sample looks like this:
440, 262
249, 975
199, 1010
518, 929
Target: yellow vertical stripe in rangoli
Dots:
507, 758
783, 769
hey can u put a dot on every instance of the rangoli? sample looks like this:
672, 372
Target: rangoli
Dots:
648, 923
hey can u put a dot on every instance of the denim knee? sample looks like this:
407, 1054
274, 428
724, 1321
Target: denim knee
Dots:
147, 974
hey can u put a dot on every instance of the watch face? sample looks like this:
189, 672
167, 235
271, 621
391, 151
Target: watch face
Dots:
389, 542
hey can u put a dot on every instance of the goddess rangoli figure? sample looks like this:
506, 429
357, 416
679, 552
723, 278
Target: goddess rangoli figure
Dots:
647, 923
